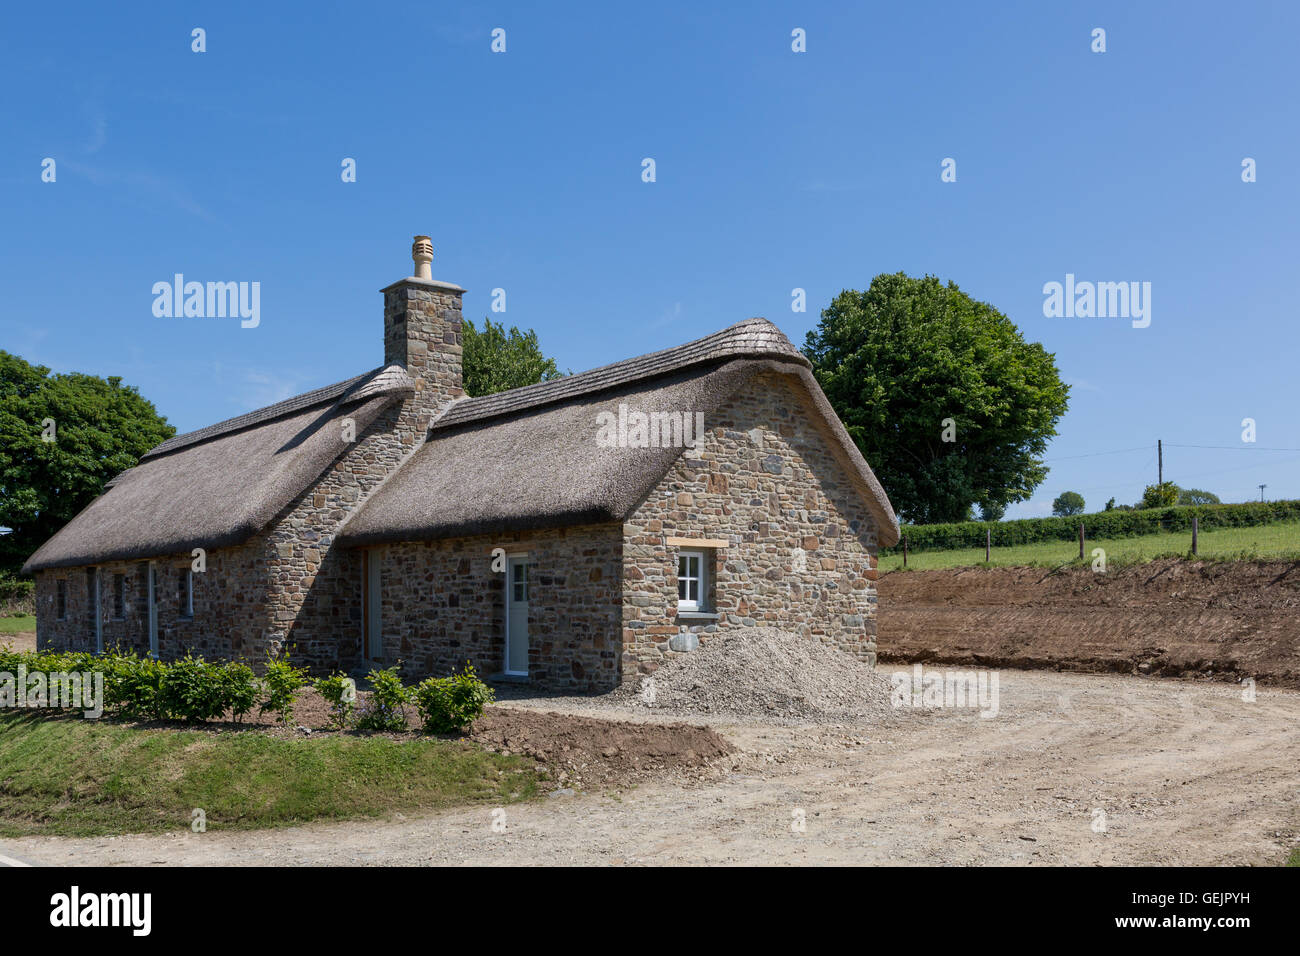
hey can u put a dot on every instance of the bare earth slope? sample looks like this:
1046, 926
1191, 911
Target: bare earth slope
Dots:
1170, 617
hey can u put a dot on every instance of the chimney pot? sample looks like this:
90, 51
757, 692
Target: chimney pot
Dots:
422, 254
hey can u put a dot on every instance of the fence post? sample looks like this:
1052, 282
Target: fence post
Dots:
1080, 540
904, 550
1194, 530
988, 543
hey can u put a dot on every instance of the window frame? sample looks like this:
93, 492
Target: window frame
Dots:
60, 599
119, 597
185, 594
701, 603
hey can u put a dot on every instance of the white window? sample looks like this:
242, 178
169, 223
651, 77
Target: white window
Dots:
692, 581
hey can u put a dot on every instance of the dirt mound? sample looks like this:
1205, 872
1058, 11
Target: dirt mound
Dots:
1179, 618
768, 673
591, 751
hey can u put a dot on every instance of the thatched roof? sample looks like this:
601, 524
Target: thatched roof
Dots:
529, 458
220, 485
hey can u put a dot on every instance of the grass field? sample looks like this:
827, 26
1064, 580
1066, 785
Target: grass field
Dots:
76, 777
1280, 541
17, 625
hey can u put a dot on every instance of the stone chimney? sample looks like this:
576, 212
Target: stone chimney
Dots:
422, 331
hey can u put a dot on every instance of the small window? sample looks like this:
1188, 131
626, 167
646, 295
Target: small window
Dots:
520, 583
119, 596
184, 592
692, 586
61, 599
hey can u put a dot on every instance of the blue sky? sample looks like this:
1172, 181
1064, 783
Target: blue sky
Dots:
775, 170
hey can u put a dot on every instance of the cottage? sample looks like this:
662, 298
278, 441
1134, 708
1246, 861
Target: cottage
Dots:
391, 517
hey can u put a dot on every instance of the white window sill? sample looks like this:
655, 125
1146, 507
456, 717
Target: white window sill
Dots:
684, 615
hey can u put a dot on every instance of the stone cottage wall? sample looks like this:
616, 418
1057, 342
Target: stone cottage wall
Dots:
801, 546
229, 600
443, 605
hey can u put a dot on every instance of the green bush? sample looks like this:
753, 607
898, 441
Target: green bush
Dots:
340, 691
237, 686
282, 681
449, 704
1099, 525
190, 690
133, 686
385, 710
1163, 495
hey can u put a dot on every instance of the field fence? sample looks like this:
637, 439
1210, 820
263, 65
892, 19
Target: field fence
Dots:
1188, 534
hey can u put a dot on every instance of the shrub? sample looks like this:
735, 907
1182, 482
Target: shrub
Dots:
282, 681
133, 686
385, 710
449, 704
340, 691
1160, 496
190, 690
237, 688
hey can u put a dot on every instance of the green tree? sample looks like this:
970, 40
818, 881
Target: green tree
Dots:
1068, 503
495, 360
992, 510
1110, 504
1195, 496
99, 427
1160, 496
901, 359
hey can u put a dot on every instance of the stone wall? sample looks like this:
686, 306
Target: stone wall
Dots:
443, 604
229, 600
800, 549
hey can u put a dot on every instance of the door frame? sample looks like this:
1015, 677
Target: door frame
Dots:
99, 611
372, 598
153, 609
510, 586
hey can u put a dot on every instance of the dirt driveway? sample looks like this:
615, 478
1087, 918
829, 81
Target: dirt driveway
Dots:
1185, 773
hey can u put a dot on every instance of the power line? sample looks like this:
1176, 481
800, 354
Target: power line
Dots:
1097, 454
1243, 447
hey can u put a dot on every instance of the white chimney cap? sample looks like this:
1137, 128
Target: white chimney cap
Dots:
422, 254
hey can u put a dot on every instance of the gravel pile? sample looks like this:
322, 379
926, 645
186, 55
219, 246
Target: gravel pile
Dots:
768, 674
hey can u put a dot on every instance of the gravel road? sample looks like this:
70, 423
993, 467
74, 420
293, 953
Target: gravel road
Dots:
1185, 773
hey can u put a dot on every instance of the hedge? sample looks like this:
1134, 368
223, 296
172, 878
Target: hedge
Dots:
1097, 525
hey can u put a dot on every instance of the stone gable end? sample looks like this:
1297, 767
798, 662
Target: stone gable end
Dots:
801, 548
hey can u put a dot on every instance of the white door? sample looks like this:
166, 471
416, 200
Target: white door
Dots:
99, 611
373, 628
517, 616
153, 610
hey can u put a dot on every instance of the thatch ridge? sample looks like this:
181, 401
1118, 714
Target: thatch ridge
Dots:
755, 337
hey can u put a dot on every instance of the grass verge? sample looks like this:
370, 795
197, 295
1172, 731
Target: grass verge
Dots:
17, 625
69, 776
1265, 542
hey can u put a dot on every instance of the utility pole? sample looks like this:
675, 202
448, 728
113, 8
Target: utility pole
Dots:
1261, 492
1160, 462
